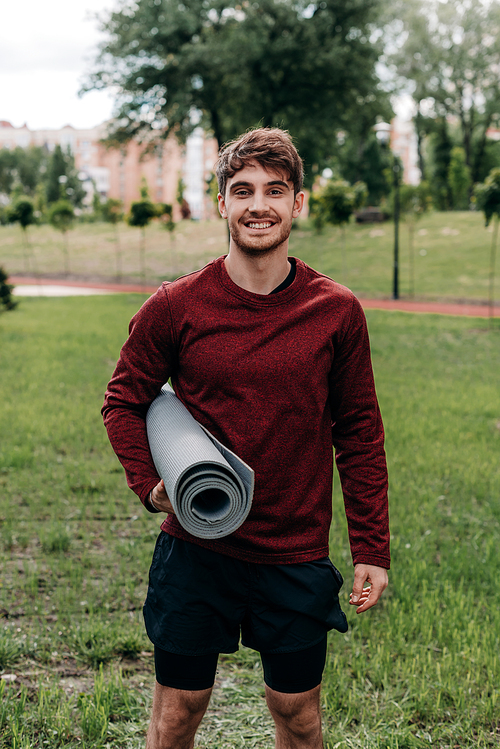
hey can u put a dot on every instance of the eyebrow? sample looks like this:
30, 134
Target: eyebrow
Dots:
274, 182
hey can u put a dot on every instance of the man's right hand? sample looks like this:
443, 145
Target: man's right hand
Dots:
160, 499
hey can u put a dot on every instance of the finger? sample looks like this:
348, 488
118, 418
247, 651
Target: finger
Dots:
372, 599
360, 577
368, 604
361, 599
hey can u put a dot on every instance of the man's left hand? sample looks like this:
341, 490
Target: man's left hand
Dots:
365, 598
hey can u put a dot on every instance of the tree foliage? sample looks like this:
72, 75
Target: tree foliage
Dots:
112, 210
336, 201
488, 195
62, 179
488, 200
6, 301
450, 59
61, 215
361, 158
22, 169
22, 211
459, 179
141, 213
308, 67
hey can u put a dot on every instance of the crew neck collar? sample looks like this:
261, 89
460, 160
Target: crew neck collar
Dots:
264, 300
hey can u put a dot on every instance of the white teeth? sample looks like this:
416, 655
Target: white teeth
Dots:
259, 226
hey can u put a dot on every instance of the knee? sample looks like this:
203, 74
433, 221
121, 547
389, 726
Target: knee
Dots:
298, 715
176, 716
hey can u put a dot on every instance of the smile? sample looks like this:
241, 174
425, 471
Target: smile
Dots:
260, 225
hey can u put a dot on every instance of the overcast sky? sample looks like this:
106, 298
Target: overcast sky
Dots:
45, 49
46, 46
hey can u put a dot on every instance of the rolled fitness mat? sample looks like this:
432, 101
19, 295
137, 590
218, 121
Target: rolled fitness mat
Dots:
210, 488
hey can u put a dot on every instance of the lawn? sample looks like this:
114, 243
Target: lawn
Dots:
420, 670
450, 258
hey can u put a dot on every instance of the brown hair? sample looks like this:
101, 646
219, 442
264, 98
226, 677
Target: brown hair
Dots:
272, 148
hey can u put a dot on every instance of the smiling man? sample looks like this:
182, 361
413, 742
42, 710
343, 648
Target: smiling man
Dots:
273, 359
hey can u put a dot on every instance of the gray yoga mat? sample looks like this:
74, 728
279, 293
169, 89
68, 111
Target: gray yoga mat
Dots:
210, 488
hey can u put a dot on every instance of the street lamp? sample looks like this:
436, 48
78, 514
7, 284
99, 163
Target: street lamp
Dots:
383, 132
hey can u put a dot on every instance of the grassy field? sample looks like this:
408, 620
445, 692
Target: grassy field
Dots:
420, 670
451, 254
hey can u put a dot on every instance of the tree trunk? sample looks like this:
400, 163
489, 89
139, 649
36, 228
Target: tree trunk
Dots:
491, 290
342, 245
479, 155
66, 253
411, 233
118, 252
142, 251
420, 154
26, 250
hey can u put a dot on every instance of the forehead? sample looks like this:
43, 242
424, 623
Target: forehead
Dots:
254, 173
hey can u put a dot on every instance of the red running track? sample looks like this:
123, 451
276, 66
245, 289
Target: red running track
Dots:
403, 305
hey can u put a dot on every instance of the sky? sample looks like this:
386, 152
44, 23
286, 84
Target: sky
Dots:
46, 47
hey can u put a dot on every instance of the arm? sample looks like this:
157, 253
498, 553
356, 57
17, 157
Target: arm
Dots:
358, 438
146, 362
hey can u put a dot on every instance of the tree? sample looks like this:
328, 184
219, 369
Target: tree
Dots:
165, 212
449, 59
21, 169
335, 203
488, 200
61, 216
23, 212
181, 200
308, 67
141, 213
62, 179
413, 203
459, 179
440, 147
8, 171
6, 301
112, 212
31, 165
361, 158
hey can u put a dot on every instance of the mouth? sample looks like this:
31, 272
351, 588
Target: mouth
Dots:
259, 225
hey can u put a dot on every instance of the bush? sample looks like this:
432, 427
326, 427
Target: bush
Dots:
6, 301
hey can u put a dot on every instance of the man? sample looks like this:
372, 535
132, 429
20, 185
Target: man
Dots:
273, 359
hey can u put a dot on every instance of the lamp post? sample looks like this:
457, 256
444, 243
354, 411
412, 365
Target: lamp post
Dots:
383, 133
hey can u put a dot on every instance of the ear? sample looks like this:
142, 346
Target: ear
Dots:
222, 206
298, 204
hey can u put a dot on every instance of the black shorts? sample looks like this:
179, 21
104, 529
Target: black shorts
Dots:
284, 672
199, 602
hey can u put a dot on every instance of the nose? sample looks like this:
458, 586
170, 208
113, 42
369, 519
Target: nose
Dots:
259, 203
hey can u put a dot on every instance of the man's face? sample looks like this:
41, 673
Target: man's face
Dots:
259, 206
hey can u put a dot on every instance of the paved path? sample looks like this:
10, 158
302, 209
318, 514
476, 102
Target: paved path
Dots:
51, 287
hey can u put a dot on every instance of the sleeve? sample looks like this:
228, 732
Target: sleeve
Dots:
147, 360
358, 439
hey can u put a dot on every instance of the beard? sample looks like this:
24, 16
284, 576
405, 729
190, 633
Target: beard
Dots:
256, 246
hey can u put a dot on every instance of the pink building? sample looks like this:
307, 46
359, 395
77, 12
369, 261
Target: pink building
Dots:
118, 173
401, 137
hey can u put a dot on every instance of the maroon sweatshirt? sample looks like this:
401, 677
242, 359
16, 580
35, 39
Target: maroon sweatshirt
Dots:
276, 378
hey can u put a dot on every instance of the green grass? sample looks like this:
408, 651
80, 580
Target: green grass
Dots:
420, 670
451, 254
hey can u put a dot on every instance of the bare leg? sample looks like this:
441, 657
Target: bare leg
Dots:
177, 713
297, 718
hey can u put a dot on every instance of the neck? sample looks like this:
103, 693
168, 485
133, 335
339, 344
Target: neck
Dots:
260, 275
